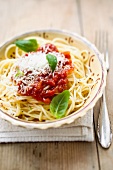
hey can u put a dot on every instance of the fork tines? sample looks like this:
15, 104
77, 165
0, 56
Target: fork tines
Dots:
101, 41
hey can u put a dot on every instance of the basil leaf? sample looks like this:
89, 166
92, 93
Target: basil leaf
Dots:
52, 60
19, 73
27, 45
59, 104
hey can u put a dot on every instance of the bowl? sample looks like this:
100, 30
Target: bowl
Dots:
97, 67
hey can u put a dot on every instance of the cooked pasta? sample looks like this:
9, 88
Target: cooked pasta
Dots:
13, 99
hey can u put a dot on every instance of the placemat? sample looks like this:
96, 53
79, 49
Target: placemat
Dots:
80, 130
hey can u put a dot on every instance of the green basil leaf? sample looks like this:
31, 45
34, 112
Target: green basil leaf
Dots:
19, 73
52, 60
59, 104
27, 45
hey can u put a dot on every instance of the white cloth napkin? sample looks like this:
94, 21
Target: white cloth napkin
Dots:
80, 130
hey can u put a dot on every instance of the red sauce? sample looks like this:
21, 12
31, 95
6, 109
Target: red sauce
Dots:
48, 48
46, 86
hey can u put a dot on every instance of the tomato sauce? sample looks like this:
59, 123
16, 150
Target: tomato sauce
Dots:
46, 85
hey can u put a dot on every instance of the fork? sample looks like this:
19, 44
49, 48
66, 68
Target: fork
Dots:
104, 131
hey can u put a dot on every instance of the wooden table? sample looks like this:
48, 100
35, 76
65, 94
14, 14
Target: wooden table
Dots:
83, 17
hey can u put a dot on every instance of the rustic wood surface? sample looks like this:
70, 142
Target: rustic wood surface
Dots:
83, 17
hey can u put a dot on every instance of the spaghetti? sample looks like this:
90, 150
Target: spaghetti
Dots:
21, 73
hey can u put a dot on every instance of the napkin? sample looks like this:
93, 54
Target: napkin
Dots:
80, 130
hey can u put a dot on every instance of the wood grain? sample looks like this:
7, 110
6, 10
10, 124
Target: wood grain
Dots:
83, 17
49, 156
19, 16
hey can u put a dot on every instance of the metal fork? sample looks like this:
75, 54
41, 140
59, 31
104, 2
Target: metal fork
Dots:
104, 131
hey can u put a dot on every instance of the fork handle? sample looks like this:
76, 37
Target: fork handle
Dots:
104, 127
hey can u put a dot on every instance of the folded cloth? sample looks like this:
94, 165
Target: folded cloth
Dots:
80, 130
